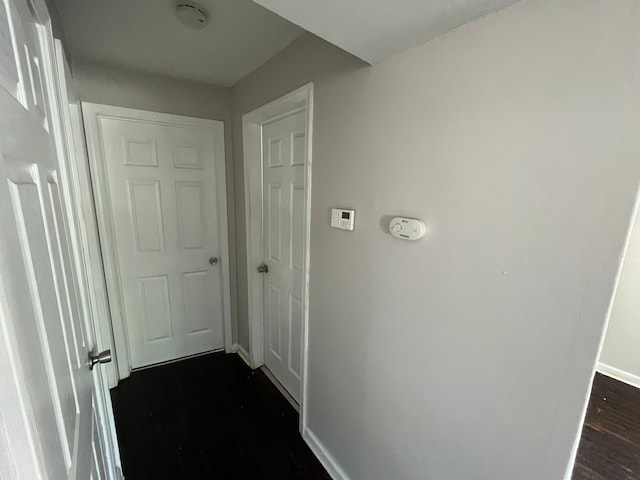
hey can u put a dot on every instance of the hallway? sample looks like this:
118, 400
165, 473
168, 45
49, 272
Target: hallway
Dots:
209, 417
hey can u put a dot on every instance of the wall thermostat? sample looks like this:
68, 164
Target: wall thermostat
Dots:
407, 228
343, 219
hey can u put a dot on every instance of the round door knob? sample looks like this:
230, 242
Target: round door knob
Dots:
213, 260
96, 358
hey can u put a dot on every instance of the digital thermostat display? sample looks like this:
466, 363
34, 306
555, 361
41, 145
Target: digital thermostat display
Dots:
342, 218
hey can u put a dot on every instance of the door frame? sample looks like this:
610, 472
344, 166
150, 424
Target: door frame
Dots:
300, 99
69, 135
83, 195
93, 113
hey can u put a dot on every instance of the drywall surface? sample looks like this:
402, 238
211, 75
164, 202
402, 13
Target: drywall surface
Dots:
468, 354
375, 31
309, 58
621, 349
56, 24
108, 85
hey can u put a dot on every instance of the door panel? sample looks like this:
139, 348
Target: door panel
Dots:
191, 219
156, 309
274, 223
98, 467
145, 213
284, 206
162, 194
196, 306
9, 69
53, 326
295, 333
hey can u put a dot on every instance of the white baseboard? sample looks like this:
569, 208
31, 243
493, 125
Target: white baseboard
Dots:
326, 459
244, 355
621, 375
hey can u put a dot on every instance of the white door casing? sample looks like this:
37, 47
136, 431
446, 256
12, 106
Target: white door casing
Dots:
81, 180
108, 464
48, 399
160, 186
288, 122
283, 200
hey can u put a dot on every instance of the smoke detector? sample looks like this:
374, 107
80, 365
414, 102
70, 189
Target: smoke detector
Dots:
192, 15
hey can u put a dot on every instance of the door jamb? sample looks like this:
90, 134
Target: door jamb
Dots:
299, 99
72, 138
92, 113
97, 290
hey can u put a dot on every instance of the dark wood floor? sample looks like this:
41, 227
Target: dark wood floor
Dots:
610, 444
209, 417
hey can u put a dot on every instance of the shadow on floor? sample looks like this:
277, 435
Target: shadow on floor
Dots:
209, 417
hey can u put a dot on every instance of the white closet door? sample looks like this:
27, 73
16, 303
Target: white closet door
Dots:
284, 158
164, 211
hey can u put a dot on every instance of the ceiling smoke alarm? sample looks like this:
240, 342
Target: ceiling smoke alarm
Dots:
192, 15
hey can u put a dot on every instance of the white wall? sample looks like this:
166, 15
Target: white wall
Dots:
112, 85
56, 24
467, 355
620, 356
109, 85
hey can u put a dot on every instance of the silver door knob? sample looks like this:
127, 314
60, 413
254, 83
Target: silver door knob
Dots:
213, 261
102, 357
263, 268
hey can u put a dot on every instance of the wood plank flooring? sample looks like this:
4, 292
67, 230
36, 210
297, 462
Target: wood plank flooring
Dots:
209, 417
610, 444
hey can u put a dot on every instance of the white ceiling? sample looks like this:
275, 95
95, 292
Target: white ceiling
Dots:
375, 29
146, 35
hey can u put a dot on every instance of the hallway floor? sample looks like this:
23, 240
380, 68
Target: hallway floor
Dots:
610, 444
209, 417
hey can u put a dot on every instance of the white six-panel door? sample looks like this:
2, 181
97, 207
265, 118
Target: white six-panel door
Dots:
164, 212
47, 424
284, 157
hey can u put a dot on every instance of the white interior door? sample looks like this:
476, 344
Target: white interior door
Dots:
47, 404
164, 212
284, 158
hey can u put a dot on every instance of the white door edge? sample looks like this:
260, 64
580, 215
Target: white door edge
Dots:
299, 99
83, 195
92, 113
106, 374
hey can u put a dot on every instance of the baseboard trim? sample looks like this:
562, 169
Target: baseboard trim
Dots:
621, 375
326, 459
244, 355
